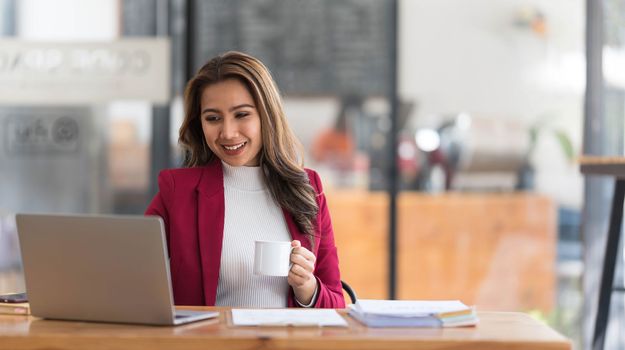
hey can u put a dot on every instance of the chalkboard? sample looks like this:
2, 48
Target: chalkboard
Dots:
312, 47
138, 18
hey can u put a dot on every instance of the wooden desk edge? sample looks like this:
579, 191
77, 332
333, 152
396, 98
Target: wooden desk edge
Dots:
75, 338
600, 160
599, 165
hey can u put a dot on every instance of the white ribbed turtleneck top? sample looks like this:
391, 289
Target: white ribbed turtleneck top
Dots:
250, 214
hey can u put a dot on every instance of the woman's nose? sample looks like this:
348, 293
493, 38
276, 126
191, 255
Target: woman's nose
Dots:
229, 129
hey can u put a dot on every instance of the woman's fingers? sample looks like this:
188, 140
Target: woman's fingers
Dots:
299, 250
307, 254
303, 260
301, 271
298, 276
299, 260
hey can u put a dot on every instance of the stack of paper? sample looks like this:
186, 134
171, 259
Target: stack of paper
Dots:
413, 313
287, 317
15, 308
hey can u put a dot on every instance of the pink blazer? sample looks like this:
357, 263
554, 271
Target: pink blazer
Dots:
191, 203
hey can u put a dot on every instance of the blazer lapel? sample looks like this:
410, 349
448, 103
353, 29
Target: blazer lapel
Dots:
210, 227
294, 230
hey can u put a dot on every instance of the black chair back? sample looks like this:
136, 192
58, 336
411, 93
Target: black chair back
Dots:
349, 291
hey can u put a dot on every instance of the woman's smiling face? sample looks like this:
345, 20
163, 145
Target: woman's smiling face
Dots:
231, 123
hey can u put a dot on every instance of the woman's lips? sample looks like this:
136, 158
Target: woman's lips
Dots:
234, 149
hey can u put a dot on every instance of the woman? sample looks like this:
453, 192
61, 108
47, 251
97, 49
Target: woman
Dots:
243, 181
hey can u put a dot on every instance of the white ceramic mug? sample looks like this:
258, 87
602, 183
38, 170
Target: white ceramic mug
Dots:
272, 258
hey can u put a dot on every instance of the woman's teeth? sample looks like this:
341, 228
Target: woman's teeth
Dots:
235, 147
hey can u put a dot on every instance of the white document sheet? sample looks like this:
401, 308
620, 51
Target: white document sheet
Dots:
287, 317
408, 308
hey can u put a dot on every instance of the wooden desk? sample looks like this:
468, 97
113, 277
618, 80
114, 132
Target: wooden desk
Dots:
497, 330
615, 167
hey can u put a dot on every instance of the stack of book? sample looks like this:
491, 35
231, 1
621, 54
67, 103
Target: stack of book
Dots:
413, 313
14, 309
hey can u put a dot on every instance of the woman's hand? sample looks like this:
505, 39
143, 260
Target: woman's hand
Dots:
301, 277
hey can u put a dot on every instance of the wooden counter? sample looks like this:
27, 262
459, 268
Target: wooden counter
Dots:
497, 251
496, 331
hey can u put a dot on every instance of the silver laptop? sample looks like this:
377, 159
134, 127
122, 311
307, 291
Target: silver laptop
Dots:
99, 268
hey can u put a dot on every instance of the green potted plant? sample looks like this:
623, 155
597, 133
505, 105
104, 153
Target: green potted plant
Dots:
525, 176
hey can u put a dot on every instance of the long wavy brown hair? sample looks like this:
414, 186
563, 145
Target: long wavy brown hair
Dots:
281, 157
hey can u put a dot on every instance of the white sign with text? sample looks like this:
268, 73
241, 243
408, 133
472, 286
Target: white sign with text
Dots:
78, 73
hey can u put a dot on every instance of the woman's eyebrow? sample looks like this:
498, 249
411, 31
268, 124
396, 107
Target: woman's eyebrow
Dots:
217, 110
244, 105
214, 110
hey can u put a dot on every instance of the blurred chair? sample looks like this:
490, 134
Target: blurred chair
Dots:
349, 291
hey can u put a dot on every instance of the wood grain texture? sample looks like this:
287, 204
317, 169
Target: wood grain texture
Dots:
496, 251
496, 331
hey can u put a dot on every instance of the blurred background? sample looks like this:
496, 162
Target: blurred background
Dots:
446, 132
